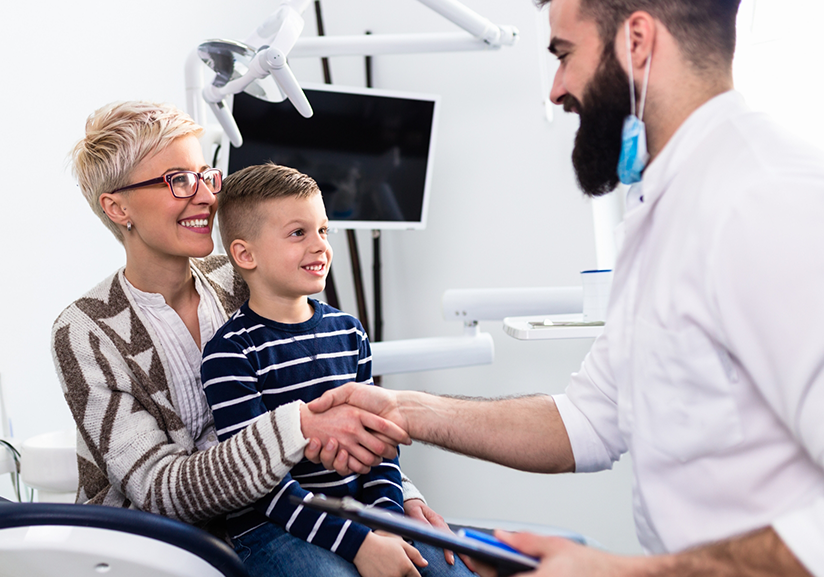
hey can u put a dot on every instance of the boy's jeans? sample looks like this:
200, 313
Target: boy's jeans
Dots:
269, 551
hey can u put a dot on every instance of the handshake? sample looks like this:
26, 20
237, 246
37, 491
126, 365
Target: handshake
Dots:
352, 428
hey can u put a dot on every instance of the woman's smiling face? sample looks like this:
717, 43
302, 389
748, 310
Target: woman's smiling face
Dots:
164, 226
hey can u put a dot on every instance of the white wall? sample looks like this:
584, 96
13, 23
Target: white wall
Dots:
504, 212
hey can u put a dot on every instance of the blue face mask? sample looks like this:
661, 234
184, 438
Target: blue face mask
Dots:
634, 155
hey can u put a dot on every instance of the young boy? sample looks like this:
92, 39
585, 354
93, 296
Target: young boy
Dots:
282, 346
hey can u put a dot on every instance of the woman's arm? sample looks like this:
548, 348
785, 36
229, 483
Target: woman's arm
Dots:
133, 449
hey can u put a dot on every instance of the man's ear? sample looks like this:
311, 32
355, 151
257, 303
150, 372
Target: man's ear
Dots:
642, 32
111, 205
242, 254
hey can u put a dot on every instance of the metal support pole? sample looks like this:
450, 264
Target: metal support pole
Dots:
331, 290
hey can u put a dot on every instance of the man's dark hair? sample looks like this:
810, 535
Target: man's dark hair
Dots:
704, 29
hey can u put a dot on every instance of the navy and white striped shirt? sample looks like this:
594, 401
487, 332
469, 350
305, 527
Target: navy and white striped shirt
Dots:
253, 365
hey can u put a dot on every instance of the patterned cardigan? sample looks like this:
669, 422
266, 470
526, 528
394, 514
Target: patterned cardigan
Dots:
132, 447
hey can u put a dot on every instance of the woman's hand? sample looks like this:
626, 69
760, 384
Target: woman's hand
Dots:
334, 458
417, 509
385, 555
352, 440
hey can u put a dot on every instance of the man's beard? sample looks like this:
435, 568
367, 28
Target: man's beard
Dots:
598, 141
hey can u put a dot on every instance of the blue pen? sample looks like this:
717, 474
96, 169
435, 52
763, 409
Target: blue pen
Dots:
486, 538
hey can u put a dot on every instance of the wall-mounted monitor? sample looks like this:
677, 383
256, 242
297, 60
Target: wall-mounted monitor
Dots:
369, 150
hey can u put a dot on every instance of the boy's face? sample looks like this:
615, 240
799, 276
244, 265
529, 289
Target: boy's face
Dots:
291, 251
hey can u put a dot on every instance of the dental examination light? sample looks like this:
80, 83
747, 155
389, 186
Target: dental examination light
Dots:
259, 65
281, 30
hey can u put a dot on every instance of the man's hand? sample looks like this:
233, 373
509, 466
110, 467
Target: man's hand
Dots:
377, 400
757, 554
563, 558
365, 438
417, 509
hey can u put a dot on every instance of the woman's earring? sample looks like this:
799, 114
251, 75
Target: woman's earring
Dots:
129, 226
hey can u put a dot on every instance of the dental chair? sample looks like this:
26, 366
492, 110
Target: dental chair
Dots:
66, 540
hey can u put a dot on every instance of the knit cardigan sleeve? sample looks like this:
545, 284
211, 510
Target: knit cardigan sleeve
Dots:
133, 449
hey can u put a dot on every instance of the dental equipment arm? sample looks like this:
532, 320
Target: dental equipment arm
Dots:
272, 42
474, 347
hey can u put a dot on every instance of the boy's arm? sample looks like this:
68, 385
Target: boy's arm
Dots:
230, 384
337, 535
382, 487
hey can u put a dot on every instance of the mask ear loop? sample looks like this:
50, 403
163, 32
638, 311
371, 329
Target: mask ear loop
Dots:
644, 89
632, 78
631, 75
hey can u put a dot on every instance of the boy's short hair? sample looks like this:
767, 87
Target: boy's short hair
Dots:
245, 190
119, 136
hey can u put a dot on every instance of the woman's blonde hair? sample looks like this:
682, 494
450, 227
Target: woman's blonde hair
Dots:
119, 136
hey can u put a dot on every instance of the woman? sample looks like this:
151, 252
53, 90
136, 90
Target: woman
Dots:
128, 352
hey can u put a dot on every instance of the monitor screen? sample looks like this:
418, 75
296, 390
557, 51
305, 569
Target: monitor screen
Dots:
370, 151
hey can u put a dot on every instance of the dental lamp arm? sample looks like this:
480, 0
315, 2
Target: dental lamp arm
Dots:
472, 22
383, 44
270, 61
266, 32
225, 118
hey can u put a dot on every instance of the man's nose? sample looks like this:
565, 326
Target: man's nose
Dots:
556, 95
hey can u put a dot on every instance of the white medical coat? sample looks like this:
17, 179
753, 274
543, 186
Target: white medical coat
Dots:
710, 370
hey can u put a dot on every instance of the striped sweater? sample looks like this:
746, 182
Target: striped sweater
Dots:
132, 447
254, 365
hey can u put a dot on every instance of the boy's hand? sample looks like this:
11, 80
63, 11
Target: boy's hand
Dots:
366, 437
385, 555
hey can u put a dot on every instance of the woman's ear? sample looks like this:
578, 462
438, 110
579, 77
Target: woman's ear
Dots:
113, 209
242, 254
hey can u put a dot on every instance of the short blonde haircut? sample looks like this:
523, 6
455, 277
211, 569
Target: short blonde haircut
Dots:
119, 136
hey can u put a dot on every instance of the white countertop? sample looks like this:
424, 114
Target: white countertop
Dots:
542, 327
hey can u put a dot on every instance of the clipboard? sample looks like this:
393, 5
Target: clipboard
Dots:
505, 559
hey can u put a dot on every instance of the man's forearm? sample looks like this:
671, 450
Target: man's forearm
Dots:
525, 433
758, 554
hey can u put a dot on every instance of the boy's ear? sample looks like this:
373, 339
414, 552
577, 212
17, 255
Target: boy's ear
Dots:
242, 254
113, 209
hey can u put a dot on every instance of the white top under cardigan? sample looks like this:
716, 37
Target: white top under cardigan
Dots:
184, 356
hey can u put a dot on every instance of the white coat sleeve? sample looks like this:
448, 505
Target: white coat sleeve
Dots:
589, 410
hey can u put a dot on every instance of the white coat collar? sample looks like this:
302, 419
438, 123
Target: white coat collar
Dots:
691, 134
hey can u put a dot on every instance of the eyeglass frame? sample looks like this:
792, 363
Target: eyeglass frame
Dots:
167, 178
